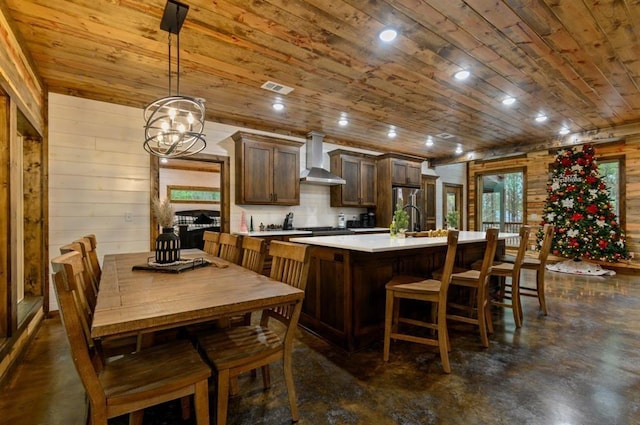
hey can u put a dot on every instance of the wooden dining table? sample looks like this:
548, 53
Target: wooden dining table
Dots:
140, 301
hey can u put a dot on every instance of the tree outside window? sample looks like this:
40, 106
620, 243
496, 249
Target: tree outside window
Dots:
502, 200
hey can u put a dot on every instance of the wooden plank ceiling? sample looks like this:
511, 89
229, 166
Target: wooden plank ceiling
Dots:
576, 61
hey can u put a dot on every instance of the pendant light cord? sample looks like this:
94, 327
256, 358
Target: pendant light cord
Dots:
169, 44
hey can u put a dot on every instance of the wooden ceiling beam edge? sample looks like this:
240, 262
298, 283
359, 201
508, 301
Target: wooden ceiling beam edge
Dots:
597, 136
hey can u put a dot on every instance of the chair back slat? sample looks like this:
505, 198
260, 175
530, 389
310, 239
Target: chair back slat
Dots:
211, 242
71, 267
229, 248
547, 240
290, 263
291, 266
80, 350
92, 253
89, 289
525, 231
254, 251
447, 269
489, 254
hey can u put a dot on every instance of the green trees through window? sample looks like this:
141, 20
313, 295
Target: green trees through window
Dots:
502, 200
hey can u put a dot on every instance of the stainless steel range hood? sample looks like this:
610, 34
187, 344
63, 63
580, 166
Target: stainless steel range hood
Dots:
315, 172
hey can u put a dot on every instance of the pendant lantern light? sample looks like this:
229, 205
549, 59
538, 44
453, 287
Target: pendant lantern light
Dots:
174, 124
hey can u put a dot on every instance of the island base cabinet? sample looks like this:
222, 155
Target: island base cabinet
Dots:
345, 294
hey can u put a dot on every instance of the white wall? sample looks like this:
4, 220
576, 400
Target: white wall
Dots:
97, 176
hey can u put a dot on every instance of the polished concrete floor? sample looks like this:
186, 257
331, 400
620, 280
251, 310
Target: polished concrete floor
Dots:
578, 365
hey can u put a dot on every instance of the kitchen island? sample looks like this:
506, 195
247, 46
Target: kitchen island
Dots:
345, 294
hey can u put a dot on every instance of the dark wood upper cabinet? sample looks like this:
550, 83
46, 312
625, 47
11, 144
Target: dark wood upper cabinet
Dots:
267, 170
405, 173
360, 173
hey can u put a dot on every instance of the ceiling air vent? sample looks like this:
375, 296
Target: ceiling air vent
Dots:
275, 87
445, 135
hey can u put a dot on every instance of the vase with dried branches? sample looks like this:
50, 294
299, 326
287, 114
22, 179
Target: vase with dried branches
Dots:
167, 242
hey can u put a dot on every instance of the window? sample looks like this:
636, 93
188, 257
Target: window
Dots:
612, 172
500, 198
193, 194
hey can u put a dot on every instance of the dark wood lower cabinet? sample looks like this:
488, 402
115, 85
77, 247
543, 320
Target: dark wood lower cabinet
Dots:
345, 294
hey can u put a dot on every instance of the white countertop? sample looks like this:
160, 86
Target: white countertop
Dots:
295, 232
369, 229
380, 242
266, 233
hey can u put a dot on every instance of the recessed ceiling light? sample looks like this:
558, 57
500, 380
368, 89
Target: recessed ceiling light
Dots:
429, 141
164, 160
278, 106
392, 132
508, 100
541, 118
343, 121
388, 34
462, 75
459, 149
564, 131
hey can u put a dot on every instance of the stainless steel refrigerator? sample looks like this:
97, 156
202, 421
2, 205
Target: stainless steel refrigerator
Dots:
412, 201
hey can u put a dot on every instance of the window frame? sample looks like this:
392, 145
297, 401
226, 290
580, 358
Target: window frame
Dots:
622, 185
214, 191
479, 187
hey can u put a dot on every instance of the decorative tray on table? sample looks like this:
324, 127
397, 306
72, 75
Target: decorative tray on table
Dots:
175, 267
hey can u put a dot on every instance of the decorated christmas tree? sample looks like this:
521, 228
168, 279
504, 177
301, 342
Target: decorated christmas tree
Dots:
579, 206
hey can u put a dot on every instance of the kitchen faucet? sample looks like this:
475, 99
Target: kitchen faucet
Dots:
416, 224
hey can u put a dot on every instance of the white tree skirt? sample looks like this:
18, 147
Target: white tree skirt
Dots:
580, 267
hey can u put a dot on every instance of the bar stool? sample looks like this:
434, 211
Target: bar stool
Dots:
538, 265
430, 290
512, 270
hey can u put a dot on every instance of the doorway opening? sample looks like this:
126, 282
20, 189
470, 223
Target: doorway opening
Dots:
452, 205
205, 174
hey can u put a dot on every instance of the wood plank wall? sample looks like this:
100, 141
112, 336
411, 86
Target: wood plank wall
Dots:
23, 100
537, 174
35, 216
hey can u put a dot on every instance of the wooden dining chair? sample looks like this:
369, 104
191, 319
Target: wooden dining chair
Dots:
130, 383
72, 267
211, 242
94, 262
420, 289
90, 291
254, 251
479, 311
229, 248
538, 265
511, 290
239, 349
